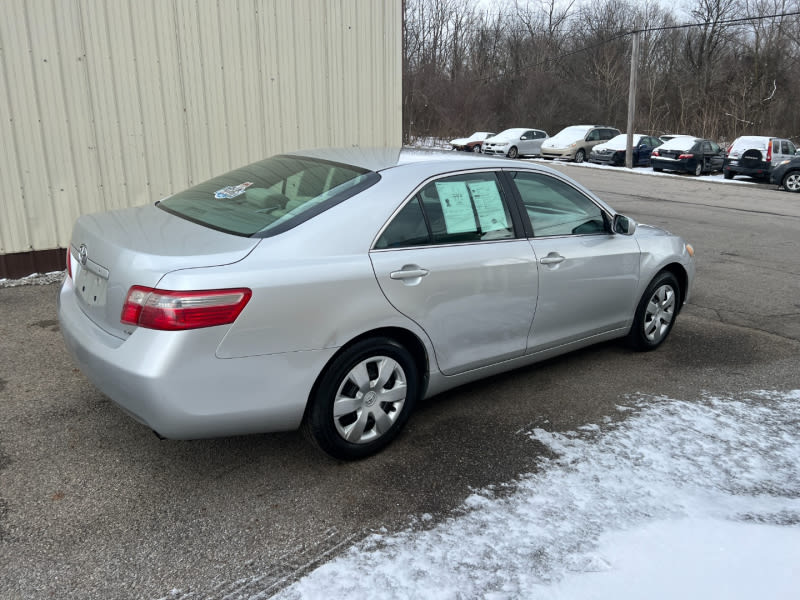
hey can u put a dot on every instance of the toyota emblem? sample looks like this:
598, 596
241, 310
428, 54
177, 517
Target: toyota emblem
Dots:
83, 254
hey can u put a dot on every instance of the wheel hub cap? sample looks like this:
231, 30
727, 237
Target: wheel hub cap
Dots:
370, 399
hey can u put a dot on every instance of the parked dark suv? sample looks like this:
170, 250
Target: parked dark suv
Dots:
754, 155
787, 174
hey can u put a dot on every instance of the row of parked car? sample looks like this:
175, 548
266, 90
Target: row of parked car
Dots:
760, 157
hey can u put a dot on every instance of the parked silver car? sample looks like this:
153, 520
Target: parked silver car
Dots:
333, 289
515, 142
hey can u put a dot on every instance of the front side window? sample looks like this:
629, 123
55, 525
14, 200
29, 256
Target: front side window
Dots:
556, 208
268, 195
463, 208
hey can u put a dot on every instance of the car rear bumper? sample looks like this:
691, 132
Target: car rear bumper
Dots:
671, 164
174, 383
737, 169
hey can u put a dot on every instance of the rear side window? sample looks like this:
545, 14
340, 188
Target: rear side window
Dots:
464, 208
268, 196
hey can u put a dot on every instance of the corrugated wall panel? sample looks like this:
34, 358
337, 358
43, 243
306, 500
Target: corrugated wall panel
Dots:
121, 102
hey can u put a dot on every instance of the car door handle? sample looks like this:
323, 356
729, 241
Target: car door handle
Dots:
409, 272
552, 259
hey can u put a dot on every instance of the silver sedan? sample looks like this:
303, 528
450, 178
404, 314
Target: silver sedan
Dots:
332, 290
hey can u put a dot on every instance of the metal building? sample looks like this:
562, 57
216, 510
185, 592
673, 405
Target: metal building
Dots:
114, 103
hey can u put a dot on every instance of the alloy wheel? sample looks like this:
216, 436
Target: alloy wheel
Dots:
791, 183
659, 313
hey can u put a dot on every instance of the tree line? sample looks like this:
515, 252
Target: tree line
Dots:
716, 68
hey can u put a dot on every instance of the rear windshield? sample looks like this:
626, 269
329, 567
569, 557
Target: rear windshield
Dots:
679, 143
268, 196
749, 143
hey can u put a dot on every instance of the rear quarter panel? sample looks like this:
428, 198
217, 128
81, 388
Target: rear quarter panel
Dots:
313, 286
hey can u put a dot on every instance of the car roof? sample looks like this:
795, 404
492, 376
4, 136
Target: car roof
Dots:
422, 164
380, 159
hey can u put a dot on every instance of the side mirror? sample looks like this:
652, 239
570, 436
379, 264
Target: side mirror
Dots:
624, 225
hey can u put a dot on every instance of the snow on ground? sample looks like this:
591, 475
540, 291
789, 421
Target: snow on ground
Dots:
668, 499
35, 279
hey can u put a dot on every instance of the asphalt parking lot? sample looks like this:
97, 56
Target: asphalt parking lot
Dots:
93, 505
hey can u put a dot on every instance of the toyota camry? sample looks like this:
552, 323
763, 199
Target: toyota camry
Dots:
331, 290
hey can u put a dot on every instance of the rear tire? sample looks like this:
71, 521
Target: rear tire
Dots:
727, 175
657, 169
791, 182
476, 148
656, 313
698, 169
363, 399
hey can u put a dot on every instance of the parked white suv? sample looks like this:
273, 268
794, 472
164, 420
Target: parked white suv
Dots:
754, 155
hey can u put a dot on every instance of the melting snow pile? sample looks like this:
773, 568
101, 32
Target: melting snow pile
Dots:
678, 499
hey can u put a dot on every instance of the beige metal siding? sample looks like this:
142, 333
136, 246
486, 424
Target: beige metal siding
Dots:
113, 103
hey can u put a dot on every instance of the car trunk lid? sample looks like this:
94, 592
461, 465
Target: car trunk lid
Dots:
115, 250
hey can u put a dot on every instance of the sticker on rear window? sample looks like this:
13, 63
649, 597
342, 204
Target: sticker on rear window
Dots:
232, 191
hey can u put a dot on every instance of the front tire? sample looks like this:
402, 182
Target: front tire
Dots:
363, 399
580, 156
513, 152
791, 182
656, 313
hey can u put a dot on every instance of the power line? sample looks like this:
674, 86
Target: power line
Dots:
624, 34
724, 22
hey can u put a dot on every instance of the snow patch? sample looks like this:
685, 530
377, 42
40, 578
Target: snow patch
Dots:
675, 498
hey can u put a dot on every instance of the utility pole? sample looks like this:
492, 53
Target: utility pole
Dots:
632, 95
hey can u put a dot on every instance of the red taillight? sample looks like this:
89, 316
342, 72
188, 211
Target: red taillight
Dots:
171, 311
69, 262
686, 156
728, 151
769, 151
655, 153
